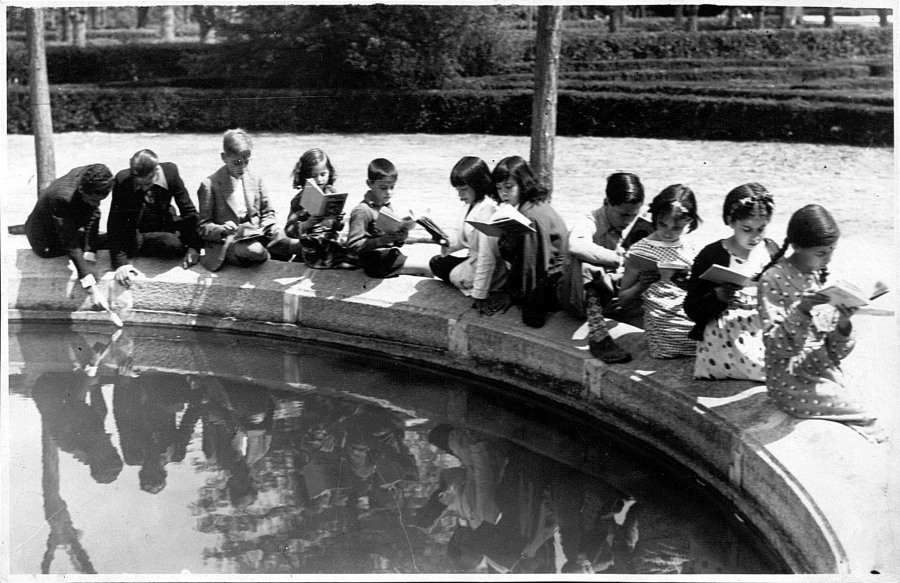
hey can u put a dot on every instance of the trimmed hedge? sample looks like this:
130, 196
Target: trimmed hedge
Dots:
66, 64
878, 66
495, 112
806, 43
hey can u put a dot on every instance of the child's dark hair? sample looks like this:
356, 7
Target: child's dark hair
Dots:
307, 162
474, 172
382, 168
810, 226
624, 188
96, 179
515, 167
678, 200
746, 201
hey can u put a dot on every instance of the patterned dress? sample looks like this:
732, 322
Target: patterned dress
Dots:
804, 351
732, 345
665, 323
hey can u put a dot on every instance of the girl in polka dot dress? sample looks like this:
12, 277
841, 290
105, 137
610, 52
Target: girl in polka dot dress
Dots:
806, 338
727, 324
666, 325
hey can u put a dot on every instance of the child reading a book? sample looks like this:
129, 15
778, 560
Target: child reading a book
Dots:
482, 270
672, 211
376, 248
595, 262
536, 258
805, 338
237, 223
319, 236
727, 325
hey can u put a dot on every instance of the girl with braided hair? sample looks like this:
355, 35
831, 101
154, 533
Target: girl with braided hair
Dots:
726, 320
805, 337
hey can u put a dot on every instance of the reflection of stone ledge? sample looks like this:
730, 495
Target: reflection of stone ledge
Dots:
798, 482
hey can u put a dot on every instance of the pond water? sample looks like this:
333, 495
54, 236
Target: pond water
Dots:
153, 450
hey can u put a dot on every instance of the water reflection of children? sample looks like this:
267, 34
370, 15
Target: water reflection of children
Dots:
237, 425
73, 409
513, 502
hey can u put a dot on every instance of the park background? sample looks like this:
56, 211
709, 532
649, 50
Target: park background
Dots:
761, 107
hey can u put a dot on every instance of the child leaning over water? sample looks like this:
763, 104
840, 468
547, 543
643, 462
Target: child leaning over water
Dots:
727, 324
805, 337
319, 236
667, 326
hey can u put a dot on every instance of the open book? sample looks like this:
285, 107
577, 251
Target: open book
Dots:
437, 234
843, 293
389, 223
507, 220
321, 204
669, 268
722, 274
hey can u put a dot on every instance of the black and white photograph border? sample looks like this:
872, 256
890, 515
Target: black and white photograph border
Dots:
824, 498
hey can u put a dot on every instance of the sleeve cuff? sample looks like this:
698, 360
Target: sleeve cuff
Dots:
88, 281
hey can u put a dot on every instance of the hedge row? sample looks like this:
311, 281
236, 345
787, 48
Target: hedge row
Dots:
508, 112
67, 64
768, 74
825, 43
882, 96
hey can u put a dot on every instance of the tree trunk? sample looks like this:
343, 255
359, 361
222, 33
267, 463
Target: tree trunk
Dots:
829, 17
883, 17
168, 24
692, 11
79, 27
732, 17
616, 18
67, 27
759, 17
543, 109
143, 16
39, 88
679, 15
206, 19
791, 16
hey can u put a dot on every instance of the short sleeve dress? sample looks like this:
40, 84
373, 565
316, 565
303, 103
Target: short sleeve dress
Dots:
804, 351
666, 325
732, 345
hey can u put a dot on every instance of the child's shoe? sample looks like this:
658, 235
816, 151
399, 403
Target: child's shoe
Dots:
608, 351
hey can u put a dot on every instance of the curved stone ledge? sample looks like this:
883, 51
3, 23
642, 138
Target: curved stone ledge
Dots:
775, 469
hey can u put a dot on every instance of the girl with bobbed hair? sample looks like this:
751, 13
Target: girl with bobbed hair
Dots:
482, 270
537, 260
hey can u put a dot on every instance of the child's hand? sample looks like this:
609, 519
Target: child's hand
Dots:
648, 278
400, 235
726, 292
680, 278
844, 325
229, 228
809, 300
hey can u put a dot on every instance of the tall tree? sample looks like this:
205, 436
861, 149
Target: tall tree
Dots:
206, 20
79, 26
167, 24
543, 109
829, 17
41, 115
692, 11
883, 17
143, 16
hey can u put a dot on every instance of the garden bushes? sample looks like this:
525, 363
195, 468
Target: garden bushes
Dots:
459, 111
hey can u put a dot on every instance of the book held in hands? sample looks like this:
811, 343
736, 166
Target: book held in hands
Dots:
321, 204
437, 234
721, 274
389, 223
667, 269
844, 293
640, 263
507, 220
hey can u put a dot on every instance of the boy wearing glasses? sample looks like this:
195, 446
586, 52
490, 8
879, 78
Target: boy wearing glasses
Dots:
142, 220
237, 222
